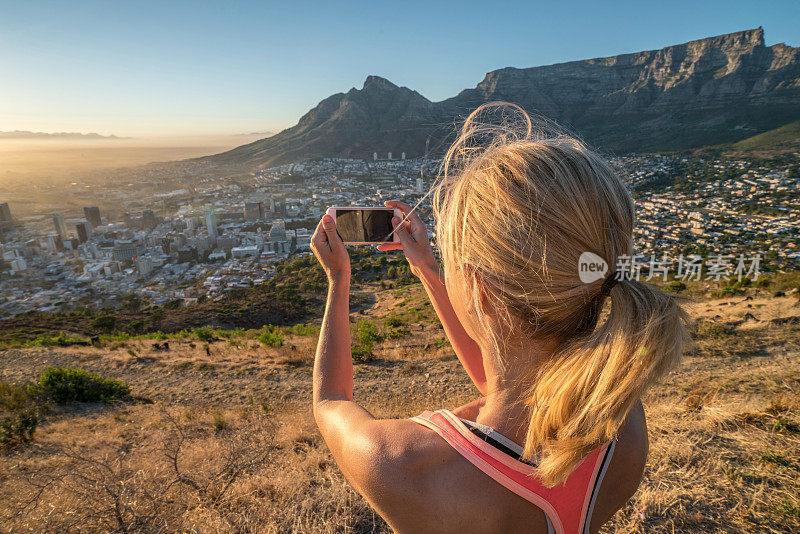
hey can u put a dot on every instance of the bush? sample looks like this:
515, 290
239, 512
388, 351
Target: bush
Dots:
18, 415
61, 340
77, 385
397, 332
676, 286
271, 336
303, 329
362, 353
392, 322
205, 334
368, 334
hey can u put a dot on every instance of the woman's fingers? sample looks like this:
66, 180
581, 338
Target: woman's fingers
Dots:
319, 236
386, 247
329, 226
416, 226
405, 208
402, 206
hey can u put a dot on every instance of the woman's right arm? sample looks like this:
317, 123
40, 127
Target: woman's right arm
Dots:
414, 243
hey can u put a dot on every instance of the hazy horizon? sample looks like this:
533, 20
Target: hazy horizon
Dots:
55, 158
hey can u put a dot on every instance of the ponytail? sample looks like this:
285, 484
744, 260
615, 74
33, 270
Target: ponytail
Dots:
582, 396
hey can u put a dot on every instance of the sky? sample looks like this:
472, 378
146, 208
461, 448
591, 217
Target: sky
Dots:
201, 68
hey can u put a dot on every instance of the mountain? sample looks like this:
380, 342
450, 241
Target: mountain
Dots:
23, 134
715, 90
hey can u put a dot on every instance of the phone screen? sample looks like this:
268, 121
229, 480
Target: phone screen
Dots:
365, 226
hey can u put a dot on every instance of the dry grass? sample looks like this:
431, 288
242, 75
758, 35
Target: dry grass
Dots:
229, 443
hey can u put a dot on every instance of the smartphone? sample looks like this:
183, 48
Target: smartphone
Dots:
365, 226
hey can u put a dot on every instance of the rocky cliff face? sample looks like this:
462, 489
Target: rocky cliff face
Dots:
703, 92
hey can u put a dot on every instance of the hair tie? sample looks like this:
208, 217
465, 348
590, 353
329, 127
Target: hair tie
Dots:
609, 283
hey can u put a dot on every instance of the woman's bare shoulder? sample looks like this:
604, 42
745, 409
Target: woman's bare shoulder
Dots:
403, 474
626, 468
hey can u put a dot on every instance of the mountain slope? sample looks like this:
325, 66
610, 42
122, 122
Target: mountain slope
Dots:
785, 137
714, 90
379, 117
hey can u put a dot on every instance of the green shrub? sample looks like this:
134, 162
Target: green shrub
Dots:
271, 336
18, 414
303, 329
77, 385
362, 353
61, 340
397, 332
368, 334
219, 422
392, 322
204, 334
676, 286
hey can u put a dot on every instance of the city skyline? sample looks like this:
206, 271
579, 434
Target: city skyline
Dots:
182, 69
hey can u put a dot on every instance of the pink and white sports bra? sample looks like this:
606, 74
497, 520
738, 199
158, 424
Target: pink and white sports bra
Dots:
567, 506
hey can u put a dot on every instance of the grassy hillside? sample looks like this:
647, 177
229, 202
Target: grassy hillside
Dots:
217, 433
778, 141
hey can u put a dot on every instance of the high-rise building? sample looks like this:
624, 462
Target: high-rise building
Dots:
211, 223
253, 211
84, 231
374, 156
149, 220
389, 156
278, 231
402, 155
144, 264
6, 222
419, 186
61, 226
127, 250
92, 214
51, 242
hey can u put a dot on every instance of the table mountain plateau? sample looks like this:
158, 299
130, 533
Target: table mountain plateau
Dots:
714, 90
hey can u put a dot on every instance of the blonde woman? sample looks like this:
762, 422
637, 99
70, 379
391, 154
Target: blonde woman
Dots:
557, 441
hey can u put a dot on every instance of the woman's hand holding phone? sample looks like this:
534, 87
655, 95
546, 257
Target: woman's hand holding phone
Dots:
414, 240
330, 251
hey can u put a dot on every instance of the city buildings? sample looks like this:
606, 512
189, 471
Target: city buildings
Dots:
211, 223
60, 226
84, 231
6, 222
92, 214
253, 211
217, 236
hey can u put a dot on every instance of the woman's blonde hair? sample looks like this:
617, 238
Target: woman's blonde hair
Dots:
515, 207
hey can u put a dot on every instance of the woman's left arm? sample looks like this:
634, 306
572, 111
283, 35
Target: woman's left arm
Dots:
386, 460
351, 432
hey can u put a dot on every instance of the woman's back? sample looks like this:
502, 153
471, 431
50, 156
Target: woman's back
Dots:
430, 486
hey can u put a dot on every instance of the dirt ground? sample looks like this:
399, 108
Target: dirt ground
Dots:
222, 440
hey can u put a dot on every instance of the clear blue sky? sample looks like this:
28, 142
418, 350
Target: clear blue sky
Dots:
168, 67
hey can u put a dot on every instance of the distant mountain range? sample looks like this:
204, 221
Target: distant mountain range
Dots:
20, 134
710, 91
